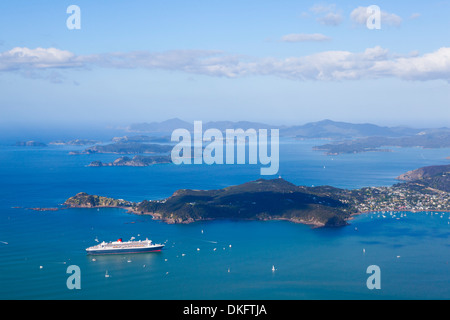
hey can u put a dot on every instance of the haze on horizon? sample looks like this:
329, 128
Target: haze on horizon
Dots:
261, 61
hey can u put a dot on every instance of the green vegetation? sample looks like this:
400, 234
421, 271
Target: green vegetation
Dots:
127, 148
278, 199
257, 200
425, 172
425, 140
136, 161
30, 144
76, 142
84, 200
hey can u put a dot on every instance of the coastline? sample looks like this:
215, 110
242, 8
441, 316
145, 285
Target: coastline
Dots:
158, 216
278, 199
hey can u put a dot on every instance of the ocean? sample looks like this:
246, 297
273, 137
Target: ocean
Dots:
215, 259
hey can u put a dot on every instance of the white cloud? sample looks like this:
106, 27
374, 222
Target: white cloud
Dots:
329, 14
373, 63
321, 8
430, 66
415, 16
331, 19
39, 58
360, 16
302, 37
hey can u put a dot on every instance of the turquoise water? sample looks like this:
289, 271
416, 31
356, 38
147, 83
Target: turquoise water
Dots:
413, 252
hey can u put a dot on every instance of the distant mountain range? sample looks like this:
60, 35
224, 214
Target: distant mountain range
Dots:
325, 129
169, 125
344, 130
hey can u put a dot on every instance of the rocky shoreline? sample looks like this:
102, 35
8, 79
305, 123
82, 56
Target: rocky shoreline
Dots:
278, 199
136, 161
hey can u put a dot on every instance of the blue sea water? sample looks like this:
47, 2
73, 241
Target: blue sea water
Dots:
216, 259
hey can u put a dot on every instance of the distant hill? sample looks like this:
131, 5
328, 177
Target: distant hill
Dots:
424, 172
223, 125
169, 125
164, 126
77, 142
278, 199
325, 129
126, 148
136, 161
84, 200
434, 177
439, 182
434, 139
30, 144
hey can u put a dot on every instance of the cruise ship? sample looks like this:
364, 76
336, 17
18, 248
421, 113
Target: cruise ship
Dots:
120, 247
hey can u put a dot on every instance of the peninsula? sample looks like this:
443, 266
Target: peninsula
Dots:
136, 161
126, 148
439, 139
278, 199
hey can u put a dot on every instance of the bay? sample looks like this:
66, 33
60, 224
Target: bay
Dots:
413, 252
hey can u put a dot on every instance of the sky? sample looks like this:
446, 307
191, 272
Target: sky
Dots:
278, 62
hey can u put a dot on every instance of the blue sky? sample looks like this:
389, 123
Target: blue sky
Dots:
282, 62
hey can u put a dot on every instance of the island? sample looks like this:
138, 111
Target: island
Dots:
76, 142
439, 139
262, 199
275, 199
142, 138
126, 148
84, 200
425, 172
278, 199
30, 144
136, 161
